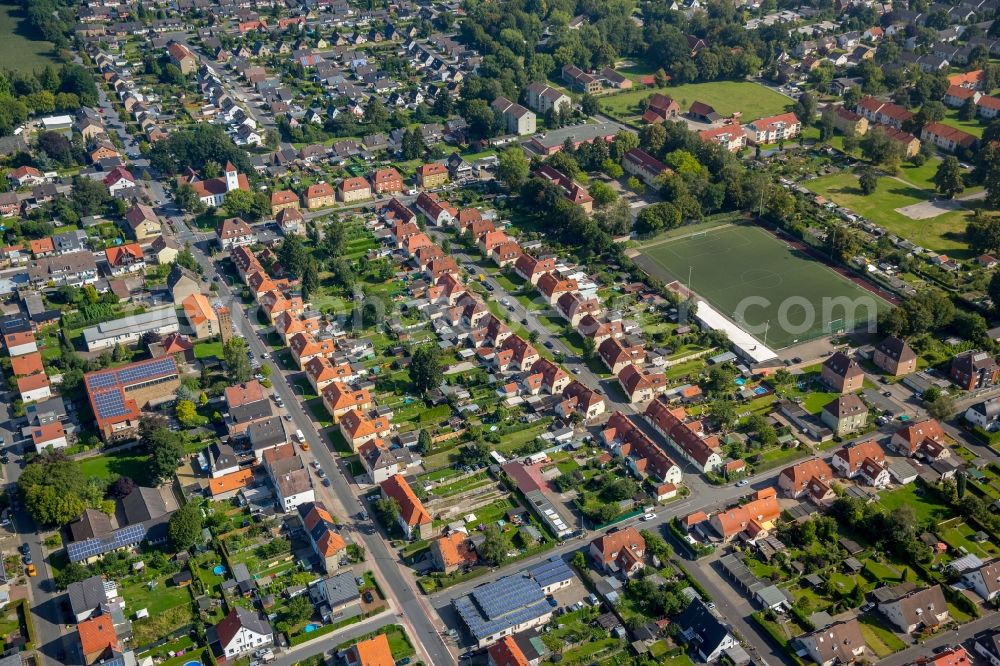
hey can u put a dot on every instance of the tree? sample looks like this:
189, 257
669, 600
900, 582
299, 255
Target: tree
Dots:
187, 413
657, 217
603, 194
513, 168
121, 488
248, 205
387, 509
941, 408
967, 111
993, 290
960, 484
867, 181
948, 178
188, 199
495, 546
983, 232
294, 255
413, 145
805, 109
589, 105
237, 360
425, 368
73, 572
298, 610
184, 528
164, 446
424, 441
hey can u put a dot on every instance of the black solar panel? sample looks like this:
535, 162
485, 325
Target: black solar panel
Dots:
123, 538
134, 373
105, 380
109, 404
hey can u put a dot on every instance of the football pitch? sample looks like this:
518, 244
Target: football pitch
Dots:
759, 282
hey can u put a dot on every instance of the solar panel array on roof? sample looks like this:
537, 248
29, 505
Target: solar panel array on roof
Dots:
109, 404
103, 380
505, 595
131, 374
123, 538
551, 571
501, 605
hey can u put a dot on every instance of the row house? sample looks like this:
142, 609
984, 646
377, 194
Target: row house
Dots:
573, 307
552, 287
321, 372
506, 254
617, 353
957, 96
437, 211
642, 455
358, 428
552, 378
304, 347
516, 354
883, 113
532, 268
949, 138
579, 398
339, 399
573, 191
731, 137
645, 167
795, 480
600, 329
641, 385
704, 453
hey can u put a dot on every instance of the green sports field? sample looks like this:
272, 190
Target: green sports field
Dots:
732, 264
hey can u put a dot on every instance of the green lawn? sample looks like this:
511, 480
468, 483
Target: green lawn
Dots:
759, 265
944, 233
882, 641
110, 466
19, 48
752, 99
923, 504
921, 176
973, 127
208, 350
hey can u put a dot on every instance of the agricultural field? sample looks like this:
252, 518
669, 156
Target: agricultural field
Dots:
943, 233
751, 99
759, 265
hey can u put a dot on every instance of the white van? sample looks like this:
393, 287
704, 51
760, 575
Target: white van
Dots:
299, 436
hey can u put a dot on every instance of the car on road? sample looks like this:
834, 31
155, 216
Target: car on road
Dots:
741, 483
25, 549
30, 569
524, 321
27, 557
649, 516
326, 482
547, 344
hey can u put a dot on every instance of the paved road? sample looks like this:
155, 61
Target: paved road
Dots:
962, 635
42, 594
326, 644
415, 612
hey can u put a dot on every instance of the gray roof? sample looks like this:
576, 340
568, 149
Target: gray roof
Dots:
266, 433
340, 589
86, 595
143, 504
146, 321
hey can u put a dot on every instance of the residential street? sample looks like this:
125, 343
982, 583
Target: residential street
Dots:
414, 613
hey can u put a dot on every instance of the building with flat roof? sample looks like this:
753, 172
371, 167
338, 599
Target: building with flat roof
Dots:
512, 603
129, 330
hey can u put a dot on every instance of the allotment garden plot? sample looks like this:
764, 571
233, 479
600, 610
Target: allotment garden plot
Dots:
734, 263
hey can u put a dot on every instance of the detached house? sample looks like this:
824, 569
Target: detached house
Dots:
985, 580
973, 370
795, 480
895, 357
234, 232
242, 631
909, 610
773, 129
847, 461
845, 415
840, 643
842, 373
620, 551
413, 518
